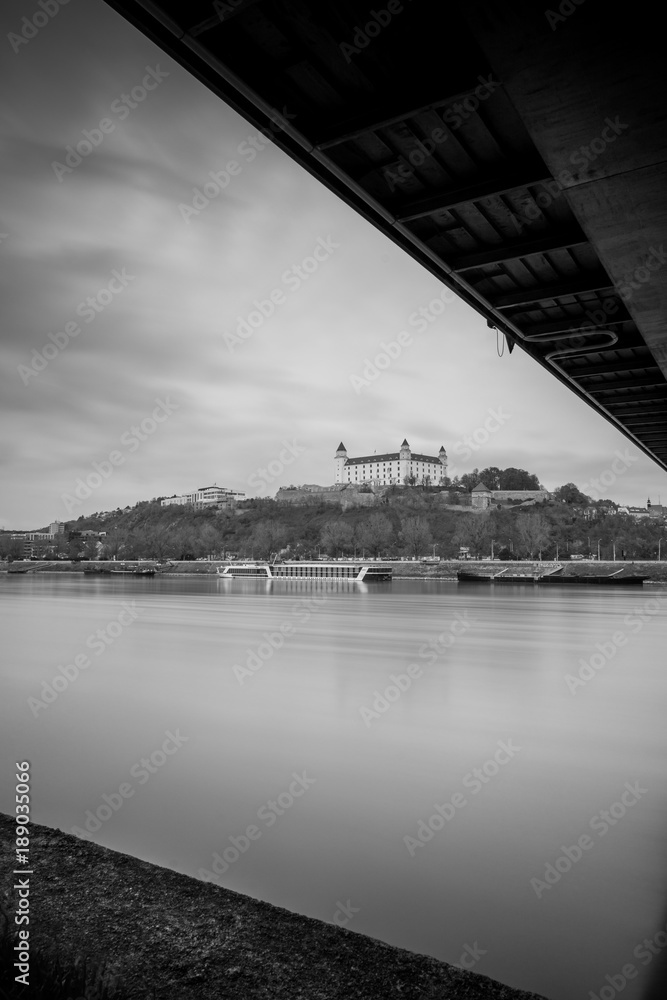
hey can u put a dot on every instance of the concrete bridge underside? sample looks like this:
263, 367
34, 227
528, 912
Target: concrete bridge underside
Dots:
518, 153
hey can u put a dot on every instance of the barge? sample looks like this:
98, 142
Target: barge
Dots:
554, 577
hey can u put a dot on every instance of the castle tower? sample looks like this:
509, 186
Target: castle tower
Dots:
339, 462
404, 457
442, 455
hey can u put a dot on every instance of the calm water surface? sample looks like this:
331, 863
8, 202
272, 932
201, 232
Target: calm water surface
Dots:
180, 667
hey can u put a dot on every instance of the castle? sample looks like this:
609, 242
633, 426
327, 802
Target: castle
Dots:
390, 469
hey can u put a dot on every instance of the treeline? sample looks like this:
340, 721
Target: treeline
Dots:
414, 525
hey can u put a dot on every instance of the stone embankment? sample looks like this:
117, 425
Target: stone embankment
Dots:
168, 935
446, 569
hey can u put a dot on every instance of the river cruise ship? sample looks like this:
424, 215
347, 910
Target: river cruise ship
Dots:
298, 570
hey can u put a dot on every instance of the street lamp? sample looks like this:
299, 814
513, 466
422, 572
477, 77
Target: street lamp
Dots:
492, 541
599, 540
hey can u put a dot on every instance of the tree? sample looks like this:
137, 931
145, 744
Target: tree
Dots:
11, 548
90, 548
415, 535
468, 480
267, 539
114, 543
518, 479
374, 533
158, 543
74, 546
570, 493
336, 537
491, 477
410, 479
473, 532
60, 545
533, 532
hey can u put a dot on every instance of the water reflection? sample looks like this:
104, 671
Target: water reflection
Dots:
325, 651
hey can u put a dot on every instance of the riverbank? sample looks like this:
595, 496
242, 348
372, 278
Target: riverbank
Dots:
165, 934
655, 572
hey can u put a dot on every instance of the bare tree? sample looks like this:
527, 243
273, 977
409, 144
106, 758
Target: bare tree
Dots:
474, 532
336, 537
415, 535
533, 532
374, 533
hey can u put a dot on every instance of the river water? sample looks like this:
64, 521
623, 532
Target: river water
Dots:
297, 740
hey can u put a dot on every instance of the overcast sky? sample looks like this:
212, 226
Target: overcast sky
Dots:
161, 333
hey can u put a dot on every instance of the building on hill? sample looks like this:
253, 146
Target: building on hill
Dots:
637, 512
483, 497
656, 510
205, 497
390, 469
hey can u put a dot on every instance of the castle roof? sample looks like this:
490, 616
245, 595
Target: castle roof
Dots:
366, 459
392, 457
405, 443
481, 488
341, 447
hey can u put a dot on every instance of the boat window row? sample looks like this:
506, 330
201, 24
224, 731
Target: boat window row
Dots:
317, 571
248, 571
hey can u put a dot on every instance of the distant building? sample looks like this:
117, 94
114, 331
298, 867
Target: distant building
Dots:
390, 469
33, 541
483, 497
57, 528
638, 512
657, 511
206, 496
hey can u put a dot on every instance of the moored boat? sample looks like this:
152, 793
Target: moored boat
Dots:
591, 580
554, 577
467, 576
301, 570
119, 571
136, 571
